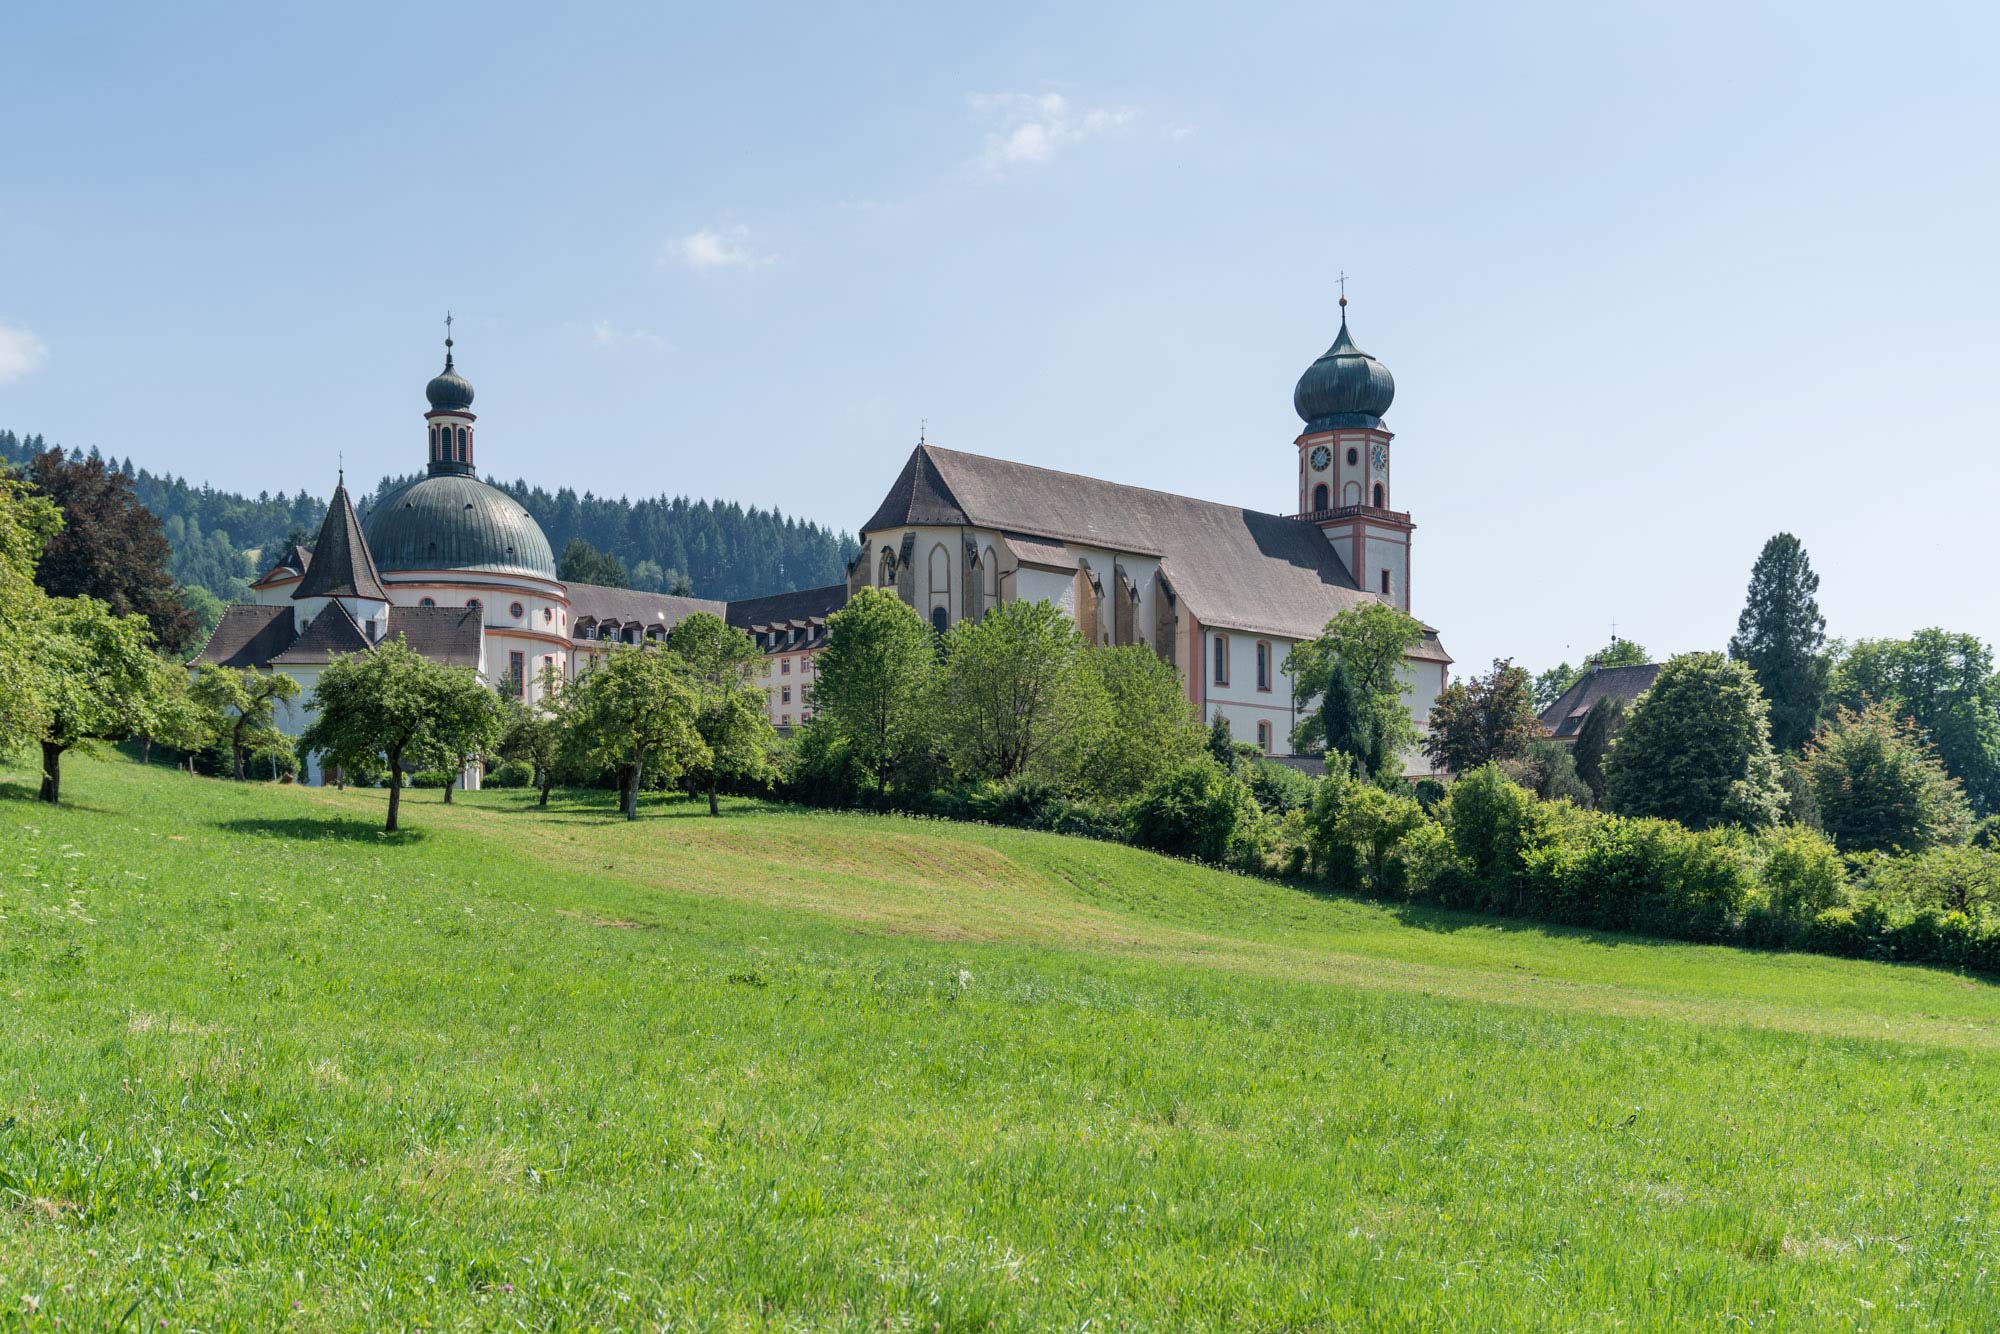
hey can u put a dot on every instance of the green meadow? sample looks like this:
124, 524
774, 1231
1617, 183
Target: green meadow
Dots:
262, 1066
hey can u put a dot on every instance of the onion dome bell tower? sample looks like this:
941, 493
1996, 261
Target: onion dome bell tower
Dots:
450, 418
1344, 465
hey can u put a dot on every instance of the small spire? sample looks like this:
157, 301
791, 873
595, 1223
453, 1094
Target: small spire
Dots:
447, 338
340, 468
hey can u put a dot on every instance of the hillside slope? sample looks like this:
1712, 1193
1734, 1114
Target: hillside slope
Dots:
788, 1069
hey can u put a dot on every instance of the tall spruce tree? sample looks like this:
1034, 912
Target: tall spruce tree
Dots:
1781, 637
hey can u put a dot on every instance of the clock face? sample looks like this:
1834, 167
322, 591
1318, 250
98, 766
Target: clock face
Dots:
1321, 456
1380, 456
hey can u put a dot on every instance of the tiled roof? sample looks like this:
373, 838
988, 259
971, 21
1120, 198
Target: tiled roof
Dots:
779, 608
595, 602
450, 635
249, 634
1235, 568
332, 631
341, 566
291, 562
1565, 717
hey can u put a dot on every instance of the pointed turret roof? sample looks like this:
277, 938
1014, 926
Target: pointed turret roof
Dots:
920, 496
341, 566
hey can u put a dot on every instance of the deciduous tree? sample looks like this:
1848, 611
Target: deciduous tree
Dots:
100, 681
1593, 742
1697, 748
239, 708
1943, 682
27, 521
1368, 645
1137, 719
731, 713
1007, 690
110, 548
1879, 787
871, 681
635, 713
1781, 636
389, 704
1487, 718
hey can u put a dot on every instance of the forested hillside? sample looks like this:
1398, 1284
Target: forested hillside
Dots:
726, 549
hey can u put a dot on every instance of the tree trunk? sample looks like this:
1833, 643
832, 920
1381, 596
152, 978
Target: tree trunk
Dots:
713, 809
51, 772
548, 781
632, 790
145, 750
236, 754
395, 787
450, 782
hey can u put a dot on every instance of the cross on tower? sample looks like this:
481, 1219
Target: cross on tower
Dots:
1343, 289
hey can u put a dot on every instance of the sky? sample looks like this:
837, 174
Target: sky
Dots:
1656, 281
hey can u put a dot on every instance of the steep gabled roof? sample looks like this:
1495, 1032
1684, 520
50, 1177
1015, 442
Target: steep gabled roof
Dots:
249, 634
340, 565
920, 495
1234, 568
332, 631
450, 635
1565, 717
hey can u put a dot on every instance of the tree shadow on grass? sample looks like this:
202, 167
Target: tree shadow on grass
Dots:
324, 829
30, 794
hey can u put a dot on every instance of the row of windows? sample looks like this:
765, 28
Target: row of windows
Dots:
1264, 664
1322, 498
445, 446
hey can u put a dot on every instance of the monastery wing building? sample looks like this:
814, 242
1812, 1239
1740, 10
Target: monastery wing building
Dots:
465, 575
1221, 592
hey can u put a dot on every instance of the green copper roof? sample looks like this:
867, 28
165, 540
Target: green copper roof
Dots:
1345, 387
450, 522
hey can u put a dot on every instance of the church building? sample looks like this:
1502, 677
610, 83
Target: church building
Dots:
465, 575
1222, 592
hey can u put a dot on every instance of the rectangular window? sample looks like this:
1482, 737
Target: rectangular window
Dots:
517, 666
785, 720
1264, 737
1385, 583
1222, 660
787, 699
1263, 665
785, 666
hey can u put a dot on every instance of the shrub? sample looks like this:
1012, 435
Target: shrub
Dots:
514, 773
1367, 829
1627, 874
1962, 880
1426, 863
428, 778
1986, 834
1547, 769
823, 768
1277, 788
1195, 810
1879, 786
1802, 874
1492, 822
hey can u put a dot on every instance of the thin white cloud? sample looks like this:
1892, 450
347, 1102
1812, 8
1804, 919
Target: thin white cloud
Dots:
711, 248
1031, 128
608, 335
21, 353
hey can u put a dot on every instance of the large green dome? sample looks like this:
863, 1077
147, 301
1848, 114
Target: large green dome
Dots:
453, 522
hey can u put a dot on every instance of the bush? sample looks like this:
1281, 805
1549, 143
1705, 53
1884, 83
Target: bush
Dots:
1961, 880
1427, 864
1493, 824
1277, 788
822, 769
1986, 834
1802, 874
1367, 829
1548, 770
1632, 874
1196, 810
514, 773
427, 778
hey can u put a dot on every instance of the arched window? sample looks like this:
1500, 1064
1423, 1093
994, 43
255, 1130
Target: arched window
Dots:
427, 602
434, 441
463, 457
940, 619
1351, 494
473, 604
888, 579
1320, 497
991, 568
1222, 660
1378, 495
1353, 456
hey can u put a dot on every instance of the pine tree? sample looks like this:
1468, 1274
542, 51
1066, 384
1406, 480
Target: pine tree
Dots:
1781, 637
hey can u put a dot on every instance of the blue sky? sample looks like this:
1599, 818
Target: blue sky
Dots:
1655, 281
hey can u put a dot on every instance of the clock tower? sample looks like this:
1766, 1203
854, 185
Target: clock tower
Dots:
1344, 466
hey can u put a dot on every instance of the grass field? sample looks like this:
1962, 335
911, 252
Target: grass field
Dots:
261, 1066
